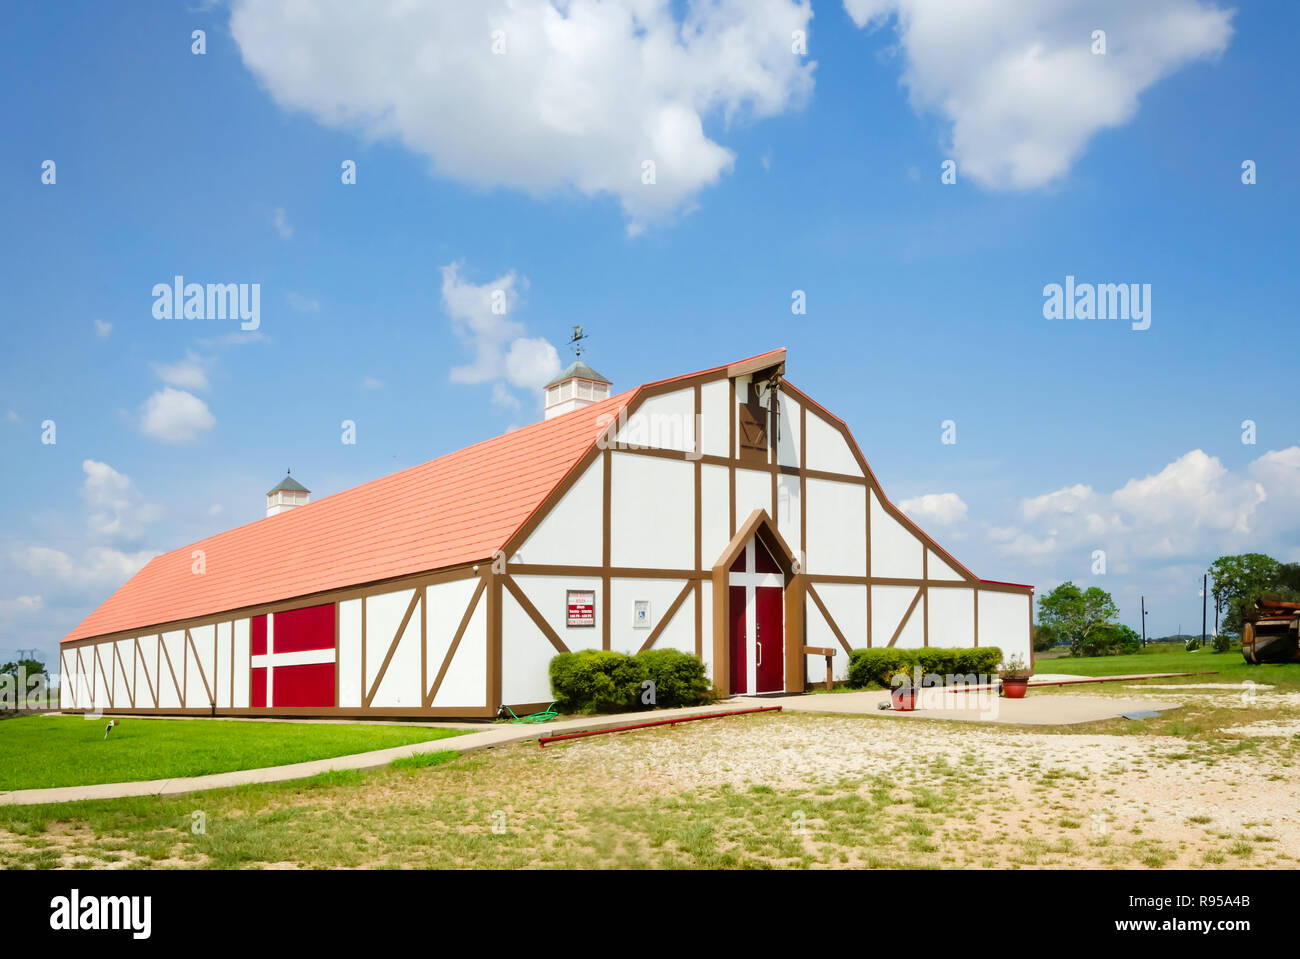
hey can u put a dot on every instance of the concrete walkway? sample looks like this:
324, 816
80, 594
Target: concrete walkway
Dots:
1036, 709
488, 736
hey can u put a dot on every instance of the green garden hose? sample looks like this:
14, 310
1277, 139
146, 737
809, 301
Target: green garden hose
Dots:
546, 714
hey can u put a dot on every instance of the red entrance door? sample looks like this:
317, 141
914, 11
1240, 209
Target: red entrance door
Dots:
739, 641
768, 650
770, 632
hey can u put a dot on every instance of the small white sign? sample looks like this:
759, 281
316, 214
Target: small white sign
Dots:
641, 614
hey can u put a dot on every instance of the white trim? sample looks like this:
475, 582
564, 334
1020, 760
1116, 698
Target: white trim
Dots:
301, 657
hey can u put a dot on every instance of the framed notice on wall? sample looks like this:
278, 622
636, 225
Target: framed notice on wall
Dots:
641, 614
581, 605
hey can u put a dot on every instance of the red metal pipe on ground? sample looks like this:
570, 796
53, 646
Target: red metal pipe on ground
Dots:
660, 722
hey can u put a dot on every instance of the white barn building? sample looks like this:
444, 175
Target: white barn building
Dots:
723, 513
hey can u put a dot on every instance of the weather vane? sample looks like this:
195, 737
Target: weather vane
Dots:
575, 341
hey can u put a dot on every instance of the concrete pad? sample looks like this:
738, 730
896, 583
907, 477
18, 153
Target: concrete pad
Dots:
1036, 709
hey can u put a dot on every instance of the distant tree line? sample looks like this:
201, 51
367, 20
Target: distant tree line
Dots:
1084, 619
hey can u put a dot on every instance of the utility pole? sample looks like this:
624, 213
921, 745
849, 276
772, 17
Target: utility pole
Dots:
1144, 622
1205, 593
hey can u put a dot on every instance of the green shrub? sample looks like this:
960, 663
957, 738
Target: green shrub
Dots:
871, 667
678, 677
1222, 643
597, 681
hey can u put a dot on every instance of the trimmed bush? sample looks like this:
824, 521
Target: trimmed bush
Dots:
678, 677
870, 667
597, 681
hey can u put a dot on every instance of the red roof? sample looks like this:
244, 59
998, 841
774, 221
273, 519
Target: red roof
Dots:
460, 508
457, 509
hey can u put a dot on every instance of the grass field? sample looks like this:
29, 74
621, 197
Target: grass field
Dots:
43, 751
1231, 668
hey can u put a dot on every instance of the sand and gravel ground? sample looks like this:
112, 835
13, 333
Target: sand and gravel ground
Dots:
1211, 784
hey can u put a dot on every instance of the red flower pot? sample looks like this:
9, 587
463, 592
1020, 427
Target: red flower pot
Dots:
1015, 688
904, 698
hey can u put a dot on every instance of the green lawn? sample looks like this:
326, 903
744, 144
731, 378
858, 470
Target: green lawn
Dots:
42, 751
1231, 668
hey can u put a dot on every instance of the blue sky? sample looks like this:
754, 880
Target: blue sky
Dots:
820, 173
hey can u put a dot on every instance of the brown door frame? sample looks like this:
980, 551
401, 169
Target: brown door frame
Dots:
760, 525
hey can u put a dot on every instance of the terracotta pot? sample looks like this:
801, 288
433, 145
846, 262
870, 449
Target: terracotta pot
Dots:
904, 698
1014, 688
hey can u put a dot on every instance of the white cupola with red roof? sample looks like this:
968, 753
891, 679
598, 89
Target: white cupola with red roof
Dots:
285, 495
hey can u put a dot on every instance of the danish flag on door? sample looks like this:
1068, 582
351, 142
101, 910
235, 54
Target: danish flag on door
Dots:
293, 658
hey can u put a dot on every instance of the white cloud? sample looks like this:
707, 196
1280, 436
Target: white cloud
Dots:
281, 221
1194, 507
480, 316
116, 509
19, 606
582, 95
175, 416
943, 509
11, 417
103, 328
233, 338
1018, 81
532, 363
303, 304
190, 373
97, 568
371, 383
503, 399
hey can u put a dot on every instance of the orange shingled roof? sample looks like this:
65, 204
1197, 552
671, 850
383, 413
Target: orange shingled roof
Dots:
457, 509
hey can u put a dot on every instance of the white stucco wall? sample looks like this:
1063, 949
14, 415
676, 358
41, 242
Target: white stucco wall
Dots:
648, 526
572, 533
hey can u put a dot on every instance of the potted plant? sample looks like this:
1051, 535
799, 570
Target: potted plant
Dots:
1015, 677
903, 692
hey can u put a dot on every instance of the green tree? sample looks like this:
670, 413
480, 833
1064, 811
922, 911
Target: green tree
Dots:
29, 667
22, 672
1075, 614
1044, 637
1237, 578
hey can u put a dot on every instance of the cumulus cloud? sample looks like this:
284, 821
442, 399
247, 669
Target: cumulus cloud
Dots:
103, 329
1193, 508
1019, 83
116, 510
190, 373
175, 416
535, 95
303, 304
19, 606
481, 316
93, 570
281, 221
942, 509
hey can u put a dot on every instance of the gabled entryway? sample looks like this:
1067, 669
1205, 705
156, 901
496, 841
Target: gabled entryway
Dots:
757, 613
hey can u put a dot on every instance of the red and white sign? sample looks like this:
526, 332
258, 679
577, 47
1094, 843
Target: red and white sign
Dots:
293, 658
582, 607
